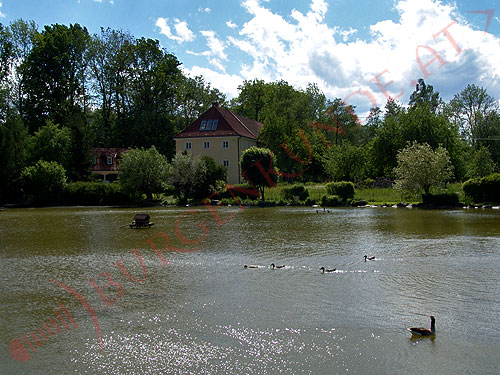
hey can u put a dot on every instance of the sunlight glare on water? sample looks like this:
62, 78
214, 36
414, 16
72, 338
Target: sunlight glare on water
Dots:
203, 313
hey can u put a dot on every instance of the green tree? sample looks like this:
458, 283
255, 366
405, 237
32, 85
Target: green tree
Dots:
143, 171
187, 174
481, 164
385, 146
469, 108
420, 168
346, 162
21, 35
214, 174
13, 146
108, 74
44, 180
51, 143
425, 94
251, 99
54, 74
257, 165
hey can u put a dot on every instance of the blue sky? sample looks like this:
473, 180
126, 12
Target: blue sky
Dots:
361, 51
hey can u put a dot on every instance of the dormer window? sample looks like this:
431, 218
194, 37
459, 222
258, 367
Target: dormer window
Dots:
209, 125
109, 160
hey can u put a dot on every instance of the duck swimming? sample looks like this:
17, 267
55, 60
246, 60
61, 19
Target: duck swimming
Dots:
323, 270
421, 331
273, 266
250, 266
369, 258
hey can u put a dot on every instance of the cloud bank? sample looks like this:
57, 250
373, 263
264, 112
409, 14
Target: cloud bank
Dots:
429, 40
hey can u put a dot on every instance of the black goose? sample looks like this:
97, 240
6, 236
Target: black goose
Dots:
323, 269
273, 266
421, 331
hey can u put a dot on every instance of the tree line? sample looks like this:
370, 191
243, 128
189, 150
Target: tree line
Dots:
64, 91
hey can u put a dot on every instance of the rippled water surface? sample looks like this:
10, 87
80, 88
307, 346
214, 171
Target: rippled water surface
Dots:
191, 308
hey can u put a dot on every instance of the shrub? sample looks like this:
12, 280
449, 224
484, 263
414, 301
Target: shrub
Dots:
44, 181
472, 189
344, 189
485, 189
331, 201
95, 194
294, 192
143, 171
442, 199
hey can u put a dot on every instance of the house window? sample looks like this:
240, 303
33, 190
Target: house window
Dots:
109, 160
213, 125
94, 160
225, 163
225, 144
187, 146
208, 125
206, 145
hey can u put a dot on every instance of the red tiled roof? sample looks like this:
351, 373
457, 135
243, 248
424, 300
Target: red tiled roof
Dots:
229, 125
101, 155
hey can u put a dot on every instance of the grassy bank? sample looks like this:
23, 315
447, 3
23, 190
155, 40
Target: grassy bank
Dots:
372, 195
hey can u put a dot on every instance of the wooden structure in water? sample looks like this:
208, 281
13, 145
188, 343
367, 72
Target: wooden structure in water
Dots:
141, 221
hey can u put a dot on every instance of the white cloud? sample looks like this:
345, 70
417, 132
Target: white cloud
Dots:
231, 24
1, 14
303, 48
226, 83
347, 33
112, 2
216, 51
204, 10
183, 33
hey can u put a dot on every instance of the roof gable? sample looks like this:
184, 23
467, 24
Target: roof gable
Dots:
228, 124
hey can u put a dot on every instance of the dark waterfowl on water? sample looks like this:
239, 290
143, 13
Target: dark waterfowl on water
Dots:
323, 269
250, 266
369, 258
422, 331
273, 266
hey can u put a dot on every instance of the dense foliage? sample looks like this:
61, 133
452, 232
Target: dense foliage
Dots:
257, 165
194, 176
484, 189
420, 168
44, 181
295, 193
143, 171
343, 189
64, 91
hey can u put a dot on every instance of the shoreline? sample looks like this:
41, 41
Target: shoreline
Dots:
267, 204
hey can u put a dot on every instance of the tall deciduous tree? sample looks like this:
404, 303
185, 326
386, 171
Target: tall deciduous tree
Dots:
21, 35
469, 108
107, 74
54, 75
424, 93
420, 168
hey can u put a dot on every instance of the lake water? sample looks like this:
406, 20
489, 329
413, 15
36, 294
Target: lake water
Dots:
201, 312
